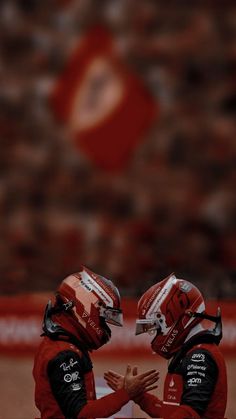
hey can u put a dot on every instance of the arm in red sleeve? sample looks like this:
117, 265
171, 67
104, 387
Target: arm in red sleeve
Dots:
183, 412
105, 406
157, 409
150, 404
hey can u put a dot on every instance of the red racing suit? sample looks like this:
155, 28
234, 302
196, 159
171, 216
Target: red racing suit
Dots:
195, 386
64, 383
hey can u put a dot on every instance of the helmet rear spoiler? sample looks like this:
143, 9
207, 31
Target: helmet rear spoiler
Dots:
50, 328
54, 331
217, 330
207, 336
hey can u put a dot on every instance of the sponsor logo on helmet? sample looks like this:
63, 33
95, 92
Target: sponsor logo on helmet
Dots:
170, 341
94, 326
92, 323
162, 295
149, 300
185, 287
107, 286
86, 285
90, 284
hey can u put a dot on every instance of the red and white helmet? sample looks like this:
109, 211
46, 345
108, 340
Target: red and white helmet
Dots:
94, 301
167, 309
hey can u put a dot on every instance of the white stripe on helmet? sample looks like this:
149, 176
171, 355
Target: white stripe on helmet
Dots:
90, 284
161, 296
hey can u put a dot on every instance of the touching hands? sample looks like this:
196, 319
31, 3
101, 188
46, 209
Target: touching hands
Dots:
114, 380
133, 382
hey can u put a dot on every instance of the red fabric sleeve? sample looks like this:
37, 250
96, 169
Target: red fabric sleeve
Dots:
156, 408
150, 404
105, 406
183, 412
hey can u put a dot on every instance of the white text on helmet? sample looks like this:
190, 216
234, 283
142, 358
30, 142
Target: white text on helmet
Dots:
160, 298
170, 340
148, 301
91, 284
94, 326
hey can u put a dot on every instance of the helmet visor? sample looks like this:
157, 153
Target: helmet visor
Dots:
112, 315
147, 326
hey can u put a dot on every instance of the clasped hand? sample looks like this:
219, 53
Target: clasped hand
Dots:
134, 383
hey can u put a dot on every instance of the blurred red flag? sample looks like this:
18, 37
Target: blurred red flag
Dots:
106, 107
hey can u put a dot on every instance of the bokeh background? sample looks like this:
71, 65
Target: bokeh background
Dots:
118, 144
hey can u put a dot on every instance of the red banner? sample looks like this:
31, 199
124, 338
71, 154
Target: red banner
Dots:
21, 320
104, 105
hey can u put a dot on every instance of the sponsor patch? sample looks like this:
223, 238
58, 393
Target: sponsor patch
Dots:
68, 378
199, 357
76, 386
67, 366
194, 381
196, 367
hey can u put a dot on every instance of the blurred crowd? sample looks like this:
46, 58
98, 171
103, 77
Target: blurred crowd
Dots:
173, 208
